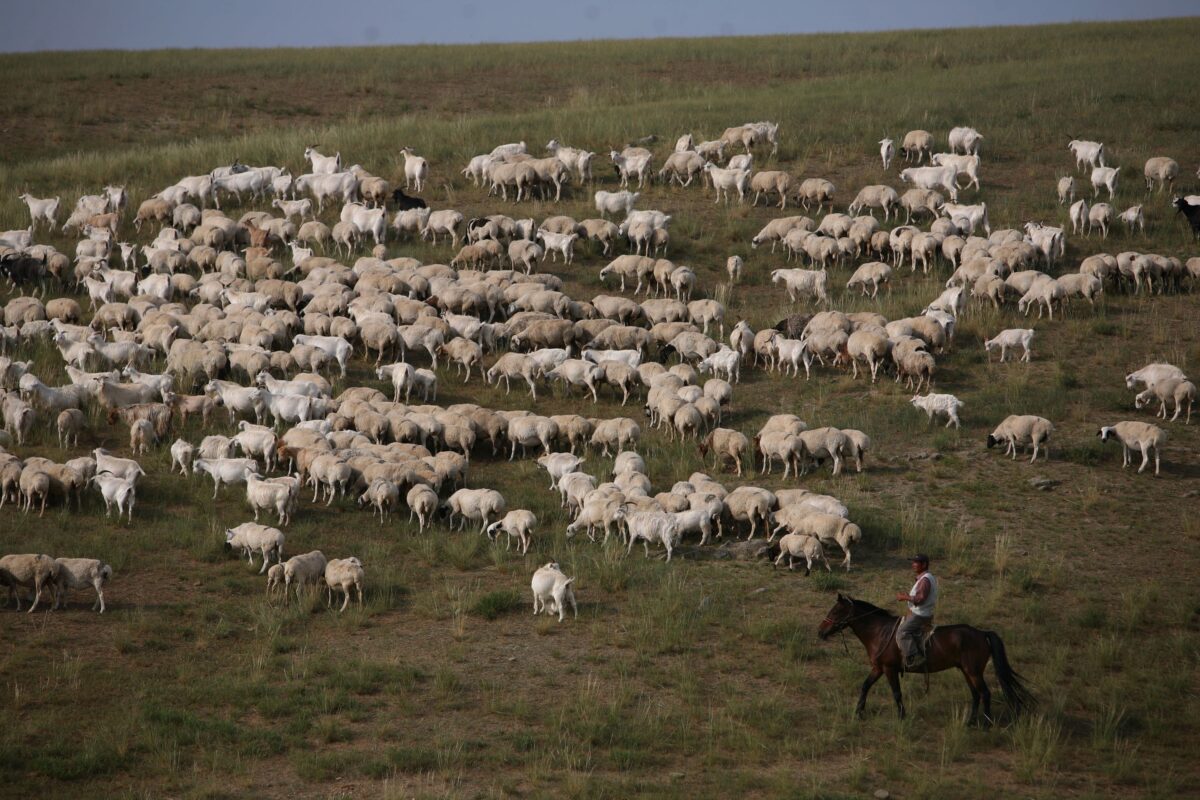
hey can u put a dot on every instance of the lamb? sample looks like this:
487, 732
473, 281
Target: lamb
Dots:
251, 536
303, 570
117, 491
517, 523
877, 196
1141, 436
1105, 177
1024, 430
344, 575
794, 545
80, 573
552, 590
1012, 337
29, 571
1161, 169
1177, 390
481, 504
934, 404
803, 282
826, 528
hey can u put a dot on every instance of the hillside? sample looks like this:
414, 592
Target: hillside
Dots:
699, 677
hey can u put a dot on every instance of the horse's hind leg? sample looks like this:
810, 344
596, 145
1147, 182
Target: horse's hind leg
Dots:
866, 687
894, 681
979, 689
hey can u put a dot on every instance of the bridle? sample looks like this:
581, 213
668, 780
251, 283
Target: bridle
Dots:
837, 627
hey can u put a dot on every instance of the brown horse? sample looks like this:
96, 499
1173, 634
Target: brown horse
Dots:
960, 646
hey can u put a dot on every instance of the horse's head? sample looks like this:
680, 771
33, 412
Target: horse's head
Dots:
838, 617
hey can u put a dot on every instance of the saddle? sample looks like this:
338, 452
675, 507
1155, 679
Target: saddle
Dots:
923, 643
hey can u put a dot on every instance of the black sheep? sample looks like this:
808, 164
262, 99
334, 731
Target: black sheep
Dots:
404, 202
1191, 212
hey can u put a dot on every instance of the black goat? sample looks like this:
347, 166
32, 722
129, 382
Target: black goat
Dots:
404, 202
793, 326
1191, 212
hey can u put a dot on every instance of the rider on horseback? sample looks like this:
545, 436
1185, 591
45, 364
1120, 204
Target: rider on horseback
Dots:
918, 623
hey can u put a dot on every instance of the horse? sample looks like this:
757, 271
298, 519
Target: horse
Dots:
960, 646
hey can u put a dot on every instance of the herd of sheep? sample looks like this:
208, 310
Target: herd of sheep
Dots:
251, 326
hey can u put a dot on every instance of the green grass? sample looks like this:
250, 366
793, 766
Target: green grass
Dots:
694, 678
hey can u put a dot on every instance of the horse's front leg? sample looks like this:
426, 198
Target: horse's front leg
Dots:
894, 681
866, 687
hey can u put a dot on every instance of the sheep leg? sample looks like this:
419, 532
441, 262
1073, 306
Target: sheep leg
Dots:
1146, 459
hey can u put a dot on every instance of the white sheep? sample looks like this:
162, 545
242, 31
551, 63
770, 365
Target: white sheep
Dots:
41, 210
934, 404
653, 526
964, 140
552, 590
724, 180
303, 570
933, 178
1100, 216
120, 492
29, 571
416, 169
733, 266
1066, 190
81, 573
803, 282
615, 202
1079, 216
795, 545
887, 151
480, 504
1177, 390
876, 196
250, 536
343, 575
423, 502
1106, 178
518, 523
1087, 153
1141, 436
1152, 374
1012, 337
1133, 218
1023, 430
1161, 169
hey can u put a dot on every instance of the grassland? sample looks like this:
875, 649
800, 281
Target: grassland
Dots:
697, 678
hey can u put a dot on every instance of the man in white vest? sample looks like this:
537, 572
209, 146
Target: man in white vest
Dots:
921, 599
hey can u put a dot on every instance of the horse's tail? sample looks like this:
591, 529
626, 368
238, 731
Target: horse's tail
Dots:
1011, 683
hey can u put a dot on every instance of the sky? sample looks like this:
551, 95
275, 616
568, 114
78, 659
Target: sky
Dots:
32, 25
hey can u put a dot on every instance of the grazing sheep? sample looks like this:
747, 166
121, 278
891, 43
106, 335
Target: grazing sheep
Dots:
1161, 169
552, 590
653, 526
480, 504
251, 536
1141, 436
141, 436
1024, 430
934, 404
917, 145
423, 502
303, 570
1178, 391
1152, 374
518, 524
28, 571
877, 196
344, 575
81, 573
1133, 218
1012, 337
795, 545
826, 528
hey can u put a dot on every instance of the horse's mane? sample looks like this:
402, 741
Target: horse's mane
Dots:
863, 608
